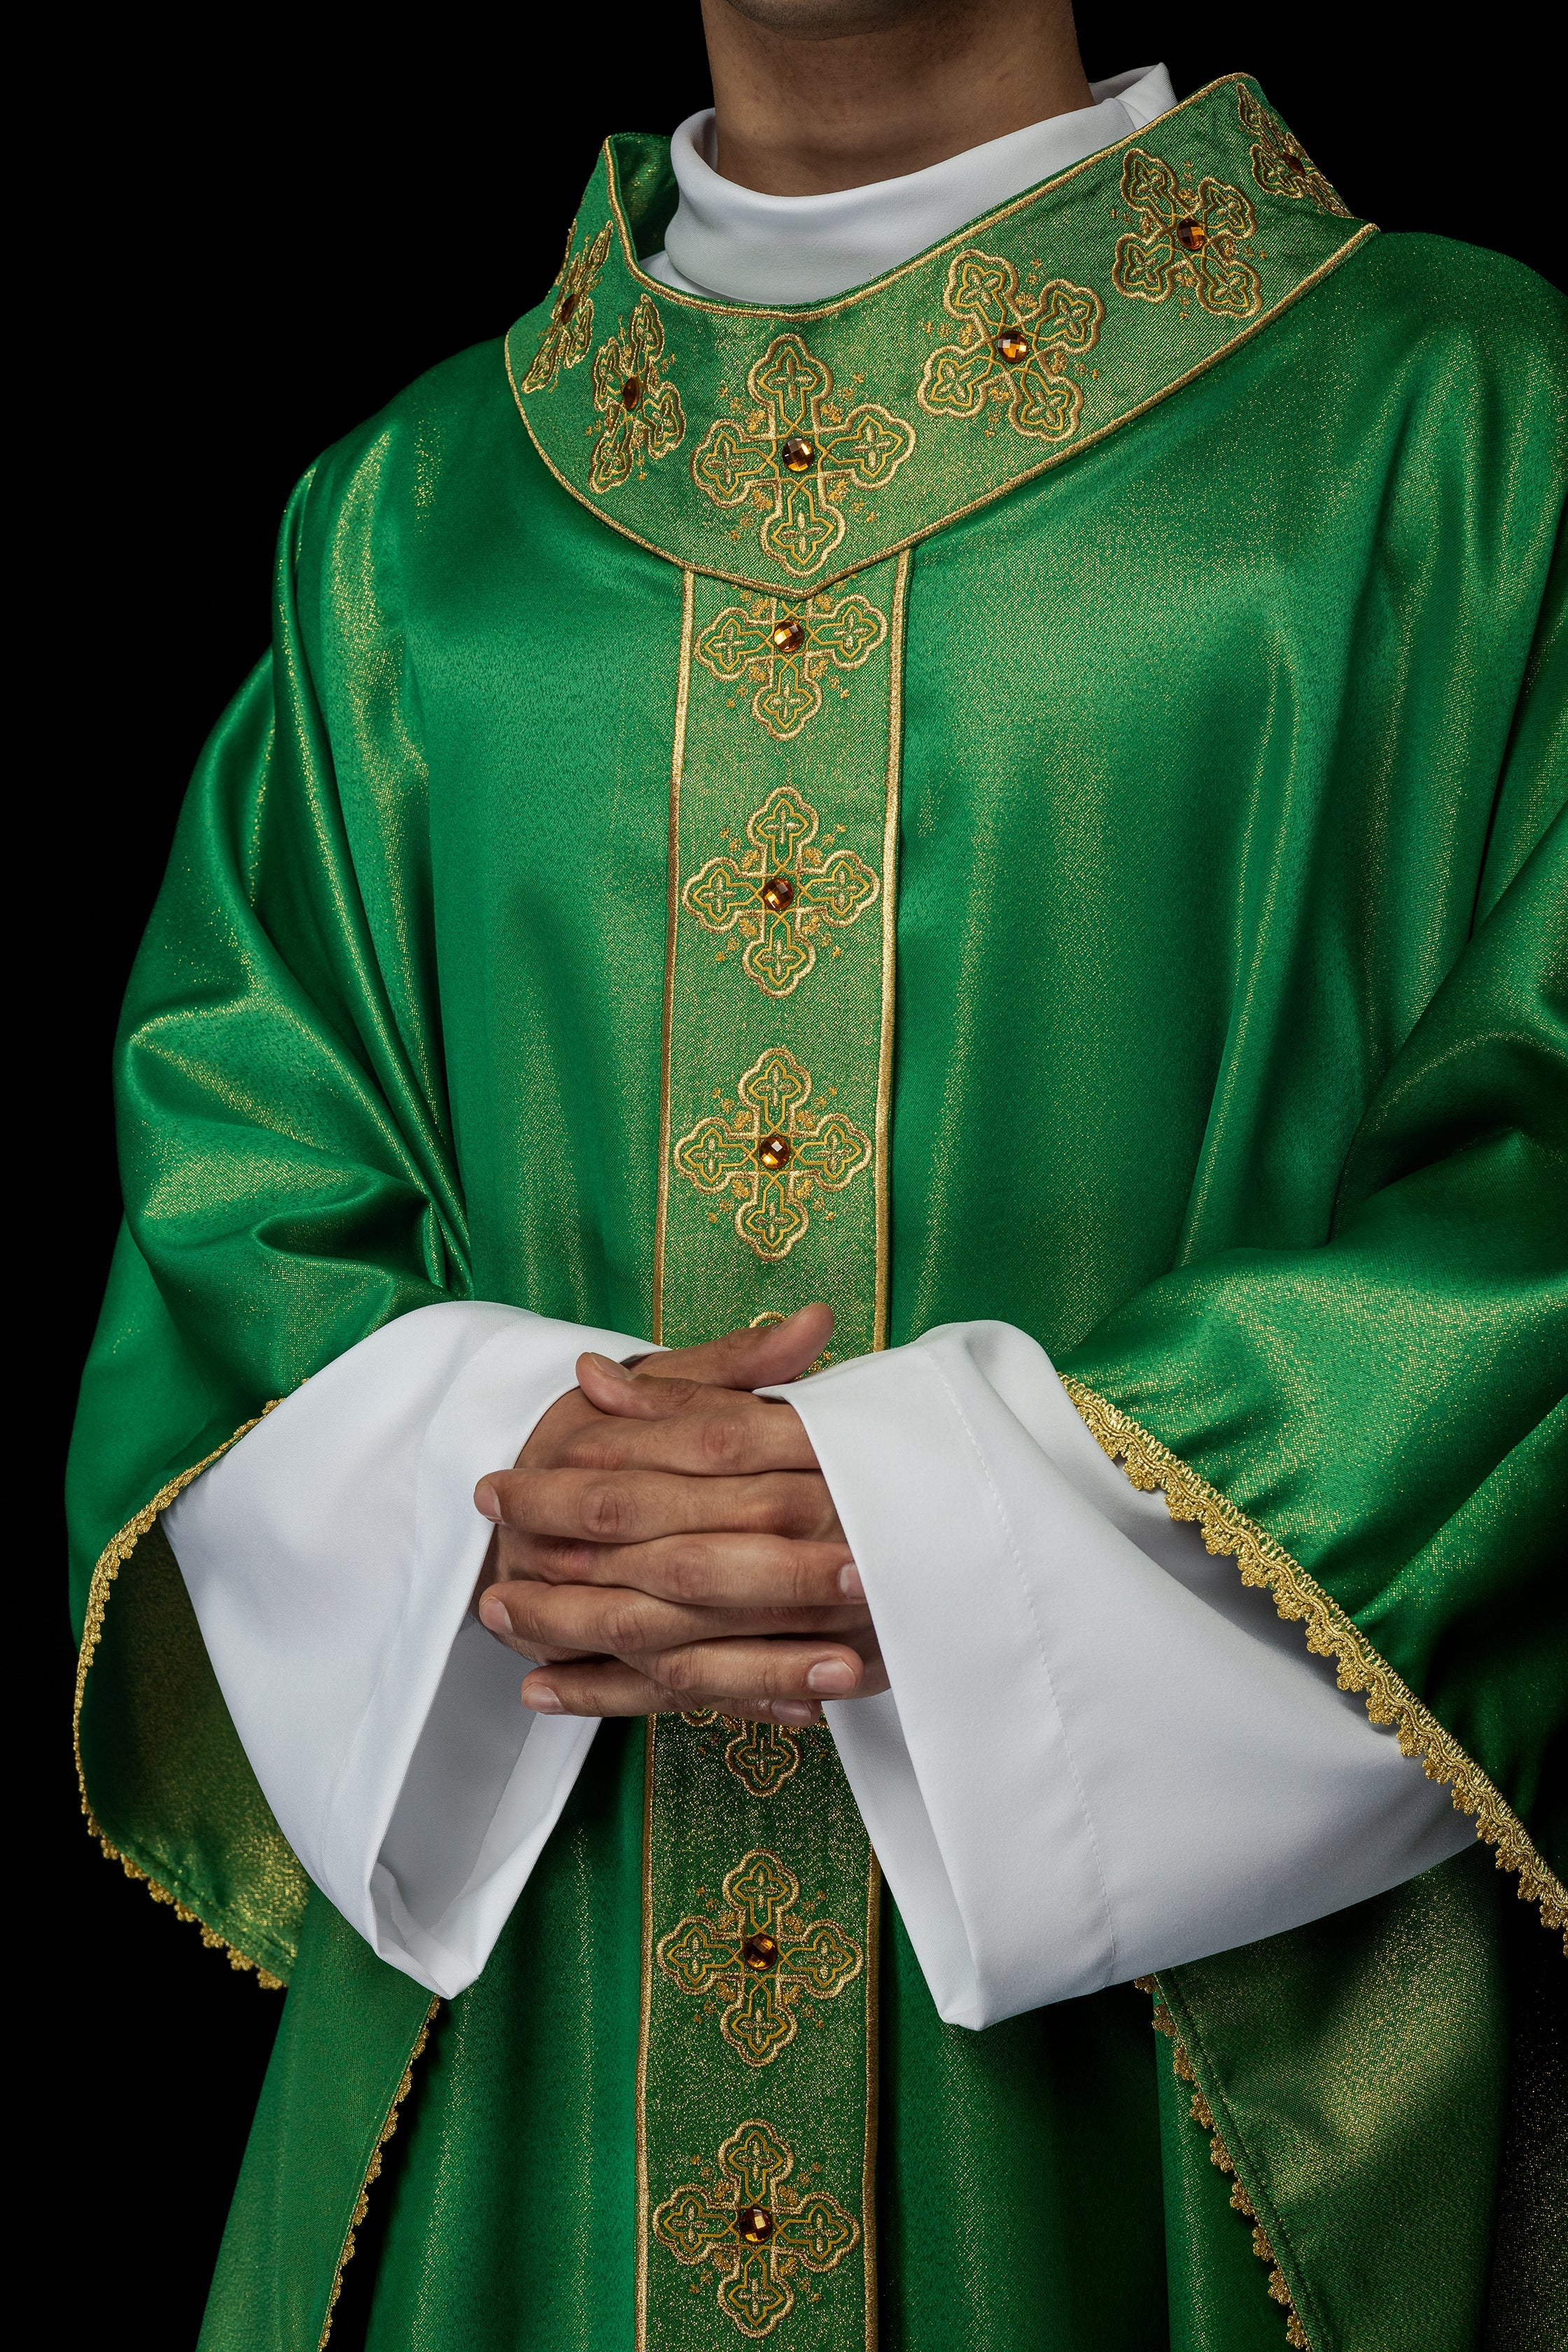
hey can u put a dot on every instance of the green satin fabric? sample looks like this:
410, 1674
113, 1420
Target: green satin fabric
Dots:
1229, 1063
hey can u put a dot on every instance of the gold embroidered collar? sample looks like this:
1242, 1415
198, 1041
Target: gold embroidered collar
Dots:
783, 449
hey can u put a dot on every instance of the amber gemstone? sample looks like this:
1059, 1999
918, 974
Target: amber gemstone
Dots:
755, 2225
1013, 345
760, 1952
798, 454
564, 309
778, 892
1297, 162
631, 391
788, 638
1192, 236
774, 1152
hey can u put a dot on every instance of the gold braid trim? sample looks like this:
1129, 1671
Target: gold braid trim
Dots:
1330, 1634
1220, 2155
111, 1560
373, 2170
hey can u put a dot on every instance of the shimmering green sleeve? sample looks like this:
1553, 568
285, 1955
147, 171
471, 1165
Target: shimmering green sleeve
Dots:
288, 1174
1387, 1407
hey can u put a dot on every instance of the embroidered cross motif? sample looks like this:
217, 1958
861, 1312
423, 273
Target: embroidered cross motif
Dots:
570, 328
1184, 239
771, 1156
785, 650
755, 2231
1012, 348
761, 1756
1280, 164
797, 453
642, 414
760, 1957
781, 891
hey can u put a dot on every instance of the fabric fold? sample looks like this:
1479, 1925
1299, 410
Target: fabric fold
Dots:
331, 1567
1106, 1755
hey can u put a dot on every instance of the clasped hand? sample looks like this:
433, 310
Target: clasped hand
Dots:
665, 1540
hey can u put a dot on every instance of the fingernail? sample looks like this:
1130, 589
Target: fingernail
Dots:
541, 1698
831, 1675
487, 1502
492, 1612
849, 1583
789, 1710
608, 1365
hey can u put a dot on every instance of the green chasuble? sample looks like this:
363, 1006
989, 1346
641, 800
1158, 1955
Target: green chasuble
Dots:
1033, 790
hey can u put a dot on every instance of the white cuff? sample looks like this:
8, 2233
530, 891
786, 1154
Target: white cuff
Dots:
331, 1557
1102, 1753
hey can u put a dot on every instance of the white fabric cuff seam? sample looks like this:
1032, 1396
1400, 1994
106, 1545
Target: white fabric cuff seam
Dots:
1006, 1523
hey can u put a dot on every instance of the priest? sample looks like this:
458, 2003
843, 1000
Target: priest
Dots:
836, 1370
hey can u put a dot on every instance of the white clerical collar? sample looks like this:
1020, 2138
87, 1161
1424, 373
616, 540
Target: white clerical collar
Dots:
743, 247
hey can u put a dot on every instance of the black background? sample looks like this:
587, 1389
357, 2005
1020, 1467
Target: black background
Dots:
247, 249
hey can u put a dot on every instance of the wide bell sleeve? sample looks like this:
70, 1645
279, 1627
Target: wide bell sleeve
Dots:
331, 1557
1100, 1754
289, 1182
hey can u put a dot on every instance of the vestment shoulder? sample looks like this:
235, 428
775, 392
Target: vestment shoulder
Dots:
453, 424
1438, 293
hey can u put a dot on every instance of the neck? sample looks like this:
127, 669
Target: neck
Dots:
811, 96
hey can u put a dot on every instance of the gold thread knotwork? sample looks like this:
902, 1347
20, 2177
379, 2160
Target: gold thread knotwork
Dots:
1222, 2159
761, 1756
640, 414
373, 2171
761, 1956
111, 1560
1229, 1533
784, 650
753, 2230
780, 891
1013, 348
567, 473
570, 329
1185, 239
796, 454
771, 1155
1280, 164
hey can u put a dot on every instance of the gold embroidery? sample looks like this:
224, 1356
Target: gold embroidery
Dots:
1012, 348
1280, 164
1184, 239
1228, 1532
111, 1560
753, 2230
771, 1156
784, 650
642, 414
671, 914
761, 1756
1221, 2158
373, 2171
781, 891
761, 1956
797, 453
570, 328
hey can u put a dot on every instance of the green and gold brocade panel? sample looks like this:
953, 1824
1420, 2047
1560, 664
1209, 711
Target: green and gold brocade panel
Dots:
756, 2085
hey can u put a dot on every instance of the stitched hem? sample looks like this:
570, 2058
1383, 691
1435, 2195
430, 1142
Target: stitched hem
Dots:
373, 2170
1221, 2158
111, 1560
1330, 1634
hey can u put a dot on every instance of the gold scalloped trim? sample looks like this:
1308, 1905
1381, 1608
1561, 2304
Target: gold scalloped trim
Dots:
111, 1560
1330, 1634
1220, 2155
373, 2170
